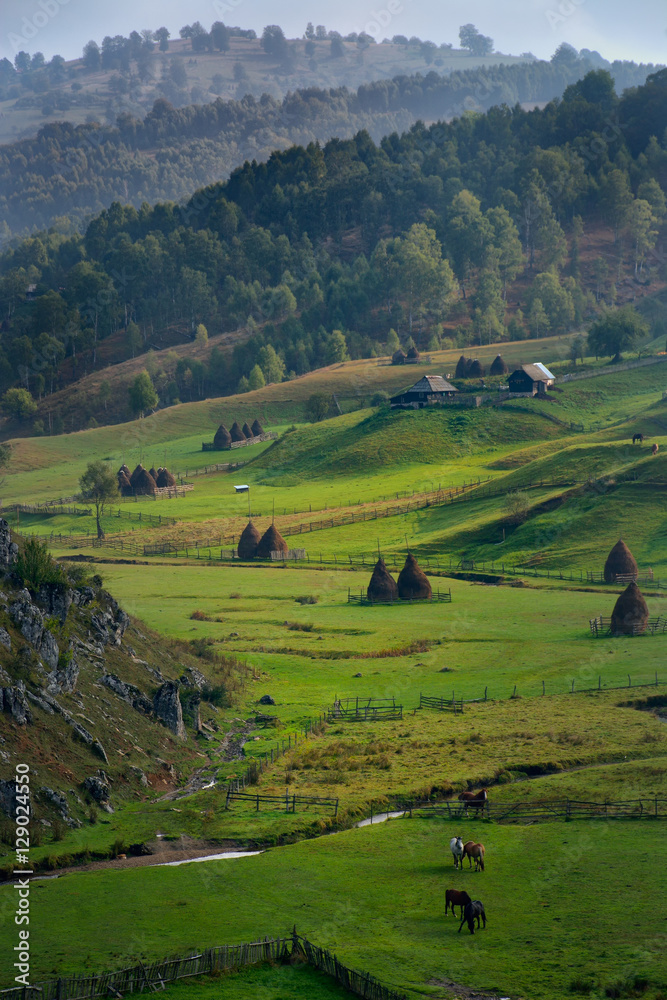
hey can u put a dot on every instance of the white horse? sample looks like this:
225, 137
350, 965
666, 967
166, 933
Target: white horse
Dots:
456, 847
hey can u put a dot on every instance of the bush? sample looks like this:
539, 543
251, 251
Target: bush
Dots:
379, 398
58, 829
306, 599
35, 566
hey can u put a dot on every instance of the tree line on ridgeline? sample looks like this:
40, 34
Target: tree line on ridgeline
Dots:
68, 172
324, 253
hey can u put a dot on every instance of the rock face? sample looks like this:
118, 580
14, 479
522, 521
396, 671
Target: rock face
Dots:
13, 701
5, 638
9, 550
64, 677
56, 600
27, 618
97, 785
109, 628
129, 693
59, 802
48, 649
193, 678
8, 798
167, 707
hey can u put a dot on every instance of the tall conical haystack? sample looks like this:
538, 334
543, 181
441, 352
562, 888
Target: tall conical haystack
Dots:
498, 366
630, 611
271, 541
153, 473
257, 428
124, 484
476, 369
247, 431
248, 542
413, 354
165, 479
620, 562
412, 582
236, 432
134, 478
125, 469
461, 367
398, 357
144, 483
382, 586
222, 439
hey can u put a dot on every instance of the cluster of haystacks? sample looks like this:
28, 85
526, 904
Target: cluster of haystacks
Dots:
223, 438
498, 366
143, 481
412, 583
398, 357
630, 611
413, 356
620, 563
469, 368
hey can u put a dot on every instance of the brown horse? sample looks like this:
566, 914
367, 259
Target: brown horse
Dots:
474, 800
654, 449
456, 897
472, 850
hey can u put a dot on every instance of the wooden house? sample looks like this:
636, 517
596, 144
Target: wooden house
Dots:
428, 391
529, 380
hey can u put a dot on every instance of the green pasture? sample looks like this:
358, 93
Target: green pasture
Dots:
375, 896
262, 982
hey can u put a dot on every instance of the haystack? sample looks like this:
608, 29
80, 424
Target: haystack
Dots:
124, 484
413, 354
165, 479
461, 367
153, 472
476, 369
498, 366
236, 432
248, 542
271, 541
125, 469
247, 431
398, 357
412, 582
144, 483
257, 428
620, 562
222, 439
630, 611
382, 586
134, 478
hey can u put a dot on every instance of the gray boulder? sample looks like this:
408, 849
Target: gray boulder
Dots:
129, 693
48, 649
266, 699
5, 638
97, 786
59, 802
64, 677
193, 678
14, 703
55, 599
167, 707
27, 618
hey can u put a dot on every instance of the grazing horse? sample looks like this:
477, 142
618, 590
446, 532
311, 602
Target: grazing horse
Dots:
474, 800
638, 437
456, 847
473, 911
456, 897
654, 449
472, 850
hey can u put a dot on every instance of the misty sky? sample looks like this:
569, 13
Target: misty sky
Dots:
616, 28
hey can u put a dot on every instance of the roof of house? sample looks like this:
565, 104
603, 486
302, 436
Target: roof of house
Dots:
538, 364
432, 383
537, 373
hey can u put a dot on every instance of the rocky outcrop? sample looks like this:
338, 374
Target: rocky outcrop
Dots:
59, 803
167, 707
8, 798
63, 679
97, 785
110, 627
5, 638
27, 618
193, 678
56, 600
79, 730
13, 701
9, 550
129, 693
138, 773
49, 650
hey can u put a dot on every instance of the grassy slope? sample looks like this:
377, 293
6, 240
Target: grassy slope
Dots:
388, 879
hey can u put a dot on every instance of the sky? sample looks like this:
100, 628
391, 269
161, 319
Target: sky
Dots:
616, 28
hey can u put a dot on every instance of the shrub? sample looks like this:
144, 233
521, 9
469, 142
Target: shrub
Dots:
379, 398
58, 829
35, 566
306, 599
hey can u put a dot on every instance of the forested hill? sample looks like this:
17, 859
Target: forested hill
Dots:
498, 225
67, 173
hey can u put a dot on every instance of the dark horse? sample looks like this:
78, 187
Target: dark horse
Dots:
473, 911
456, 897
638, 437
474, 800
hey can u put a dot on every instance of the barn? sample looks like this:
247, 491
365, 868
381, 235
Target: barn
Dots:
530, 379
428, 391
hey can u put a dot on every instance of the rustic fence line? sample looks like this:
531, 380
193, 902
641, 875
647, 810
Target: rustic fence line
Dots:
290, 802
548, 809
603, 627
364, 710
221, 958
456, 705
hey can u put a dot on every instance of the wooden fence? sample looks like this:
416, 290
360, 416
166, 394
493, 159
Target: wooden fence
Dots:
455, 705
364, 710
222, 958
362, 598
549, 809
602, 627
286, 801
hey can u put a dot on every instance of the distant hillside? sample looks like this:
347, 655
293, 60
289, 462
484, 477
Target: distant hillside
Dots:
70, 170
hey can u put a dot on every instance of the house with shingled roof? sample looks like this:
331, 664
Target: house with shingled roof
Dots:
428, 391
530, 379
